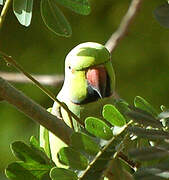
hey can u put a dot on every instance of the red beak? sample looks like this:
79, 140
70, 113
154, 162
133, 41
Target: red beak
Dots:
97, 79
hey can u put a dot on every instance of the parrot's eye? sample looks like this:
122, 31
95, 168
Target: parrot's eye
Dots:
69, 67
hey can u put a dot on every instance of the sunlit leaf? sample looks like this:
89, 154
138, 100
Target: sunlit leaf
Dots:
54, 18
85, 143
141, 103
164, 118
1, 2
161, 14
23, 11
98, 128
78, 6
163, 108
117, 130
113, 116
70, 157
164, 115
62, 174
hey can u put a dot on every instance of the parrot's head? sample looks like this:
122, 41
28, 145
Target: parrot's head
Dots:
89, 74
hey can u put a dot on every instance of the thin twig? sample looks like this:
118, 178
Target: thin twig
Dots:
124, 25
103, 150
49, 80
11, 61
35, 111
4, 11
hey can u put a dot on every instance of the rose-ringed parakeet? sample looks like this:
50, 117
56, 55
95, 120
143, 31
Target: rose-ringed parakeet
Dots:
88, 86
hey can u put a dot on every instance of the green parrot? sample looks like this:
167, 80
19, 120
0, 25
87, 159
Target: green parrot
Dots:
89, 85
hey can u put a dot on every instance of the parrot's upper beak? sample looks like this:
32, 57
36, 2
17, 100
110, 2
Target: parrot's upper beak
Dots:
98, 81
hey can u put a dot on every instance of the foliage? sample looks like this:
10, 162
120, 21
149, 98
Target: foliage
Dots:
139, 149
34, 163
130, 139
52, 16
161, 13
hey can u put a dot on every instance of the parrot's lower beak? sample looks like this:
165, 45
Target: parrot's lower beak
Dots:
97, 80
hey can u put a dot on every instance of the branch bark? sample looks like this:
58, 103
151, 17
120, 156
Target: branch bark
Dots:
124, 25
34, 111
49, 80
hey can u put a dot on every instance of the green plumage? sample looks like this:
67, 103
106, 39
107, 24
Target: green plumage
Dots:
75, 92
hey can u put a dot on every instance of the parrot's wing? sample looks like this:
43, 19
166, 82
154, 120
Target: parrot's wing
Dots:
44, 138
54, 142
56, 110
44, 134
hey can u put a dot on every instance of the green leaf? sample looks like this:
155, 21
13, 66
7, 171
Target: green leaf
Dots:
25, 153
1, 2
70, 157
164, 115
163, 108
98, 128
26, 171
117, 169
117, 130
164, 118
149, 153
34, 164
113, 116
141, 103
40, 151
84, 143
62, 174
151, 174
156, 172
118, 172
122, 106
23, 11
149, 133
78, 6
35, 144
161, 14
144, 118
54, 18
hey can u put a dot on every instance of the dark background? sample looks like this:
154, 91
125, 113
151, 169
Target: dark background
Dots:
141, 60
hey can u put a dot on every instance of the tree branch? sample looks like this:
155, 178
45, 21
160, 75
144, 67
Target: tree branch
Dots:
49, 80
4, 11
35, 111
12, 62
124, 25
